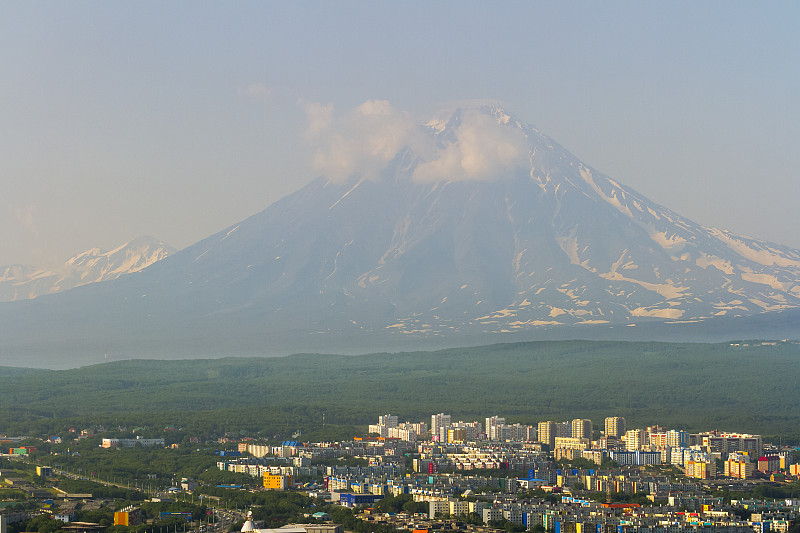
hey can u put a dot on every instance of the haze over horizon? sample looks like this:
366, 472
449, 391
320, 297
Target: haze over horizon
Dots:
179, 120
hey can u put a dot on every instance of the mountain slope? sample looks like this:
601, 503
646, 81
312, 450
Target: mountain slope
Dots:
558, 243
20, 282
380, 262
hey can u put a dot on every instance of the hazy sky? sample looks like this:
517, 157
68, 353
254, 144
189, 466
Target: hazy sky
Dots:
178, 119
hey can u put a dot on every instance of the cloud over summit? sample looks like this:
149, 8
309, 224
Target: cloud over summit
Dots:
471, 145
483, 149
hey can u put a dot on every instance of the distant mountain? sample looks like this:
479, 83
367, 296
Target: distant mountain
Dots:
549, 248
22, 282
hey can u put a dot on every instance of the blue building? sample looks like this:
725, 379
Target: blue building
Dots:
352, 500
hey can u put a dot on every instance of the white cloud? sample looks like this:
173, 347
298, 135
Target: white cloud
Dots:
362, 141
375, 108
365, 139
319, 117
257, 91
25, 216
483, 149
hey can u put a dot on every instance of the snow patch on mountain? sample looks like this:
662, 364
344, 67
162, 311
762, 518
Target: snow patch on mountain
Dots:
586, 174
705, 261
758, 252
92, 266
670, 313
569, 244
667, 240
765, 279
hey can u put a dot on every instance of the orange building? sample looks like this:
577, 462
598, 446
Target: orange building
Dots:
739, 469
278, 481
128, 517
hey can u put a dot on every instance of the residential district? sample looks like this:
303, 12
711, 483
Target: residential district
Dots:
559, 476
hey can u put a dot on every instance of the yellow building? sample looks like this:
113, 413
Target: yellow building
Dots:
278, 481
739, 469
573, 443
128, 517
701, 470
785, 461
615, 426
547, 433
457, 435
566, 453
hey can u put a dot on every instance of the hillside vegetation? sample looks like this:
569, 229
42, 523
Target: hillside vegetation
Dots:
750, 387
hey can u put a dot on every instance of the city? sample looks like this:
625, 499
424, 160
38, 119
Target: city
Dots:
559, 241
560, 476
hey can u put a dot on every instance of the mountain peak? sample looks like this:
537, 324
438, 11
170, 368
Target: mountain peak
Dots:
90, 266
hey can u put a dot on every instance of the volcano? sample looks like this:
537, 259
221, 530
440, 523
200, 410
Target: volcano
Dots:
423, 251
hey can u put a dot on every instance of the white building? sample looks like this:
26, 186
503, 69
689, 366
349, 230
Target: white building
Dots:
438, 422
390, 421
130, 443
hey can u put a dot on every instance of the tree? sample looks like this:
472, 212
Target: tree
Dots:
44, 524
412, 507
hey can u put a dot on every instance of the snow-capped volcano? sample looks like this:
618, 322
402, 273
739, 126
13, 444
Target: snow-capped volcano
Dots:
541, 239
476, 225
20, 282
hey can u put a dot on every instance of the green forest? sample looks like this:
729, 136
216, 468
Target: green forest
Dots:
746, 386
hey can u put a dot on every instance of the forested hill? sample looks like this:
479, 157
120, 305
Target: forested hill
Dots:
11, 371
733, 386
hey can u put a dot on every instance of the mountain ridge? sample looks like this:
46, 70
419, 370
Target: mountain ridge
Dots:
21, 282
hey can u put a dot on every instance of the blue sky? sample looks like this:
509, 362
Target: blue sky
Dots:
178, 119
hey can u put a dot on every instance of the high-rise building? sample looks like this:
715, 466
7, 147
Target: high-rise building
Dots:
420, 428
547, 433
635, 439
676, 438
457, 435
582, 428
402, 433
769, 463
658, 440
492, 423
701, 469
467, 431
438, 422
739, 467
615, 426
379, 430
390, 421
